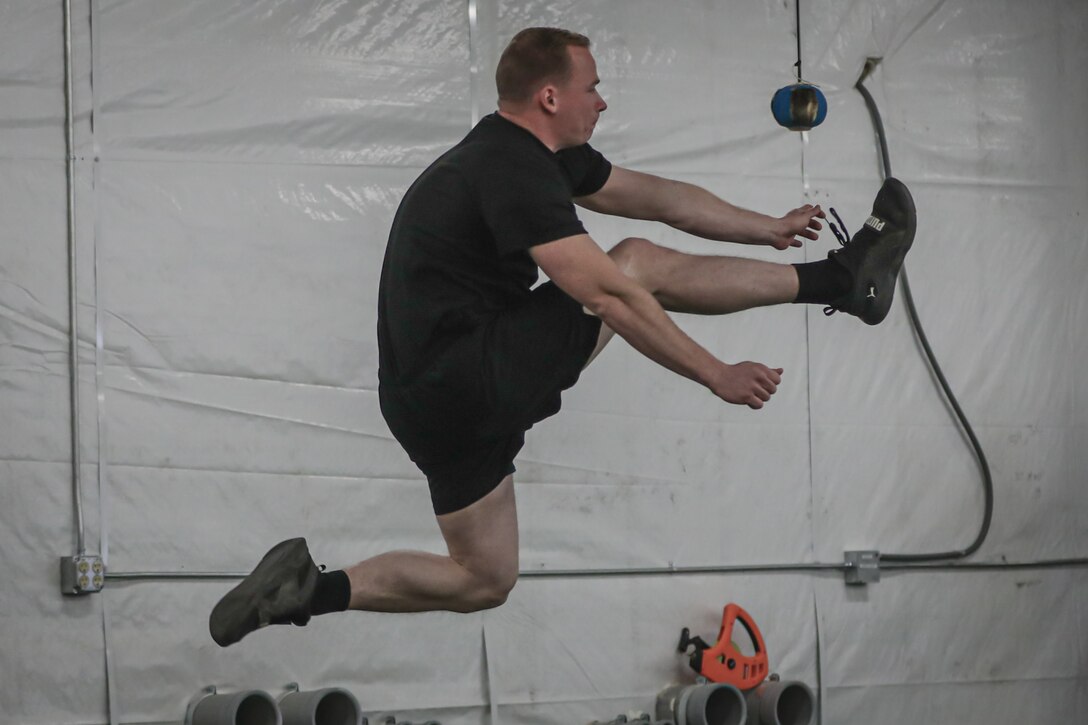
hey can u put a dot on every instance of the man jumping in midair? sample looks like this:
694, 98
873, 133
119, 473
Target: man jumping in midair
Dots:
471, 355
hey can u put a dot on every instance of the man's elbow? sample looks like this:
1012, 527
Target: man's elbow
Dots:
599, 304
610, 307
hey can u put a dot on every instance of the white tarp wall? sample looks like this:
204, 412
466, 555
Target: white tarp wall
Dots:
238, 166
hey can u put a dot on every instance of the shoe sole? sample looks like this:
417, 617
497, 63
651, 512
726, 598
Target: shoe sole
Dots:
879, 270
281, 584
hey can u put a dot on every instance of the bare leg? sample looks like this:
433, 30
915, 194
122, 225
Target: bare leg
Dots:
479, 572
703, 285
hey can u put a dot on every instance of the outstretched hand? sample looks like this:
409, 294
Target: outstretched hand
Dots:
747, 383
803, 221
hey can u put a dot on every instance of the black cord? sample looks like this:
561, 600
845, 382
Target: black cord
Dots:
797, 6
912, 311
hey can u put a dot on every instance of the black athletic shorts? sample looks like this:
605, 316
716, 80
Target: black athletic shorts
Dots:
464, 419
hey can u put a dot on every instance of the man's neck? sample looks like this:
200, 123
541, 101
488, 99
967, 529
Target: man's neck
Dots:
533, 126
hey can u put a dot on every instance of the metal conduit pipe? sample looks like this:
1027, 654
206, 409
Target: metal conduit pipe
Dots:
662, 571
673, 570
73, 307
473, 60
530, 574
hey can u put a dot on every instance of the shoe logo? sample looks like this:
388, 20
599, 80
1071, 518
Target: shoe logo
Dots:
875, 223
872, 293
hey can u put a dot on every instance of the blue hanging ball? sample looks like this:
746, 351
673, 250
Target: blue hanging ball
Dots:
799, 107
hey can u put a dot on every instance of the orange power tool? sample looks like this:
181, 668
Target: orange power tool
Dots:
724, 662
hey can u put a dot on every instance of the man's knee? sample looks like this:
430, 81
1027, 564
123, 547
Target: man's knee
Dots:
492, 576
641, 260
495, 593
630, 251
491, 591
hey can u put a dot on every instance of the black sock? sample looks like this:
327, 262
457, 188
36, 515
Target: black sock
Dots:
821, 282
332, 594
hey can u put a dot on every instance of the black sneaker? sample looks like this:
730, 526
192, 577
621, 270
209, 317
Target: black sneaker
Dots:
875, 254
278, 591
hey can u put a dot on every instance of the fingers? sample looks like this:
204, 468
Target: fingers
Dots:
767, 388
751, 384
808, 225
765, 383
814, 214
812, 210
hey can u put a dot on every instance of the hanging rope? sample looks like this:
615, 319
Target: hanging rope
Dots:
797, 7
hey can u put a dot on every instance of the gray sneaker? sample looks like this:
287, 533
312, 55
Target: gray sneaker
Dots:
278, 591
874, 256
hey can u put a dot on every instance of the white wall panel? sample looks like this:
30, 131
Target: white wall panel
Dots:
332, 83
52, 646
294, 253
1001, 703
34, 394
952, 627
975, 647
31, 96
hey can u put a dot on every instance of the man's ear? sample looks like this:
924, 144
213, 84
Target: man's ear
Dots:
548, 99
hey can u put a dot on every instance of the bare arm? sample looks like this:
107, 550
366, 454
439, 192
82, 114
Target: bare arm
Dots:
695, 210
587, 274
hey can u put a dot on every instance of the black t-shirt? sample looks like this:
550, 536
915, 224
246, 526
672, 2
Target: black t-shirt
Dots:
458, 249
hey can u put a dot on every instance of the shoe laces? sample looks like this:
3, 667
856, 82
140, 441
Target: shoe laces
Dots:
844, 238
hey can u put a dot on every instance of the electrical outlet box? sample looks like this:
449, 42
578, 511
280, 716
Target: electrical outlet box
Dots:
83, 574
862, 567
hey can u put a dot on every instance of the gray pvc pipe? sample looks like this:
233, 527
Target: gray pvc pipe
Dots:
329, 706
253, 707
710, 704
780, 703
